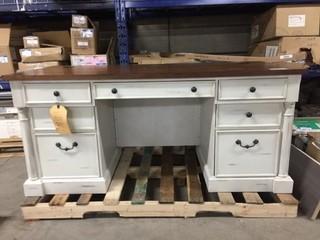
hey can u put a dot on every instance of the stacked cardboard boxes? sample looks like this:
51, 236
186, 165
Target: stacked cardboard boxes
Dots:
44, 49
287, 30
84, 43
10, 42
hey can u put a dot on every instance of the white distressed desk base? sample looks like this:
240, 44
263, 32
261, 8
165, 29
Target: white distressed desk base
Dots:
223, 118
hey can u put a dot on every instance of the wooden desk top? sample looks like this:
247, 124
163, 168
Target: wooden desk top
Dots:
149, 72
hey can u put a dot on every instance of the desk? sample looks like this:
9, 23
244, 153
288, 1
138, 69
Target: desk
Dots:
239, 117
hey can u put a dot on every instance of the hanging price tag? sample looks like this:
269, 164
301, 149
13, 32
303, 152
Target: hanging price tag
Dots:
59, 116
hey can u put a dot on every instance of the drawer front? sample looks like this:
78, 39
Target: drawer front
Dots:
39, 93
79, 118
82, 160
235, 159
252, 89
155, 90
250, 115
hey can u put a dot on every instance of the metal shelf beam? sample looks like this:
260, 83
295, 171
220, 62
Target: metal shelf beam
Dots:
7, 6
190, 3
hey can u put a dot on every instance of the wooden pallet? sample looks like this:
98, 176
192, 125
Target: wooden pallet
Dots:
11, 147
147, 184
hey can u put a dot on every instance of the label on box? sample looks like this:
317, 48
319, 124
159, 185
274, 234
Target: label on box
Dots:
271, 51
88, 60
26, 53
80, 20
296, 20
286, 56
86, 33
4, 59
255, 32
82, 44
32, 42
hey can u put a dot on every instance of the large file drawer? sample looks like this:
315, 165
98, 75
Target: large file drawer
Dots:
55, 161
247, 154
138, 90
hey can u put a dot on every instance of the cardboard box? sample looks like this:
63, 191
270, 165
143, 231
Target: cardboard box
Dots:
58, 38
32, 66
6, 63
44, 54
89, 60
83, 41
31, 42
287, 20
9, 126
79, 21
287, 45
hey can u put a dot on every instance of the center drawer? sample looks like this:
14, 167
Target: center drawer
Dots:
249, 115
79, 118
247, 154
72, 155
137, 90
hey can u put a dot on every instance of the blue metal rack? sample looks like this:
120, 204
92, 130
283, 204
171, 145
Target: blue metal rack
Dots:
122, 7
53, 5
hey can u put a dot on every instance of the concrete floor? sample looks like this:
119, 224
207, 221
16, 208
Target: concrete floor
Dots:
13, 227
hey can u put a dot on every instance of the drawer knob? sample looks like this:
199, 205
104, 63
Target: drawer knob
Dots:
253, 89
74, 145
114, 90
255, 142
194, 89
56, 93
249, 114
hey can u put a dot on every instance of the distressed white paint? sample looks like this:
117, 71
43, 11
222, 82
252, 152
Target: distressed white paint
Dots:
159, 113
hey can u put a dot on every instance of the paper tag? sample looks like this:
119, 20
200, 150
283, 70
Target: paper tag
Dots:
271, 51
59, 116
286, 56
26, 53
82, 44
296, 20
86, 33
4, 59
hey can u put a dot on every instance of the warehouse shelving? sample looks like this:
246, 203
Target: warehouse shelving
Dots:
122, 13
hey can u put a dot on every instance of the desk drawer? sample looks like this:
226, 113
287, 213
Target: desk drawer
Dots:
235, 159
252, 89
82, 160
44, 93
155, 90
80, 118
250, 115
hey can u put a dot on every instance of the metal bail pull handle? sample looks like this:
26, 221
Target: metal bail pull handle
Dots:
255, 142
74, 145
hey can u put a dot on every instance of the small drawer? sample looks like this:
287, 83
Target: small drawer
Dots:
155, 90
48, 93
249, 115
252, 89
72, 155
247, 154
79, 118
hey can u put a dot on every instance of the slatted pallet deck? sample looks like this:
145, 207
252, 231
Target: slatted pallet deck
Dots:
152, 184
11, 147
